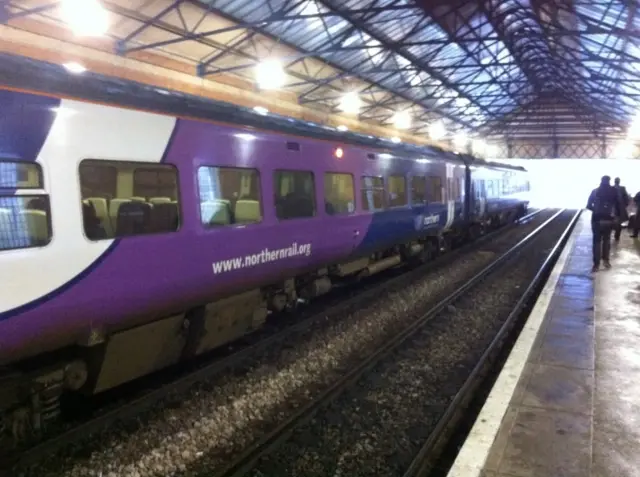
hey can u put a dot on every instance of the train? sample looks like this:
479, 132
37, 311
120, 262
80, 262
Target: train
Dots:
141, 227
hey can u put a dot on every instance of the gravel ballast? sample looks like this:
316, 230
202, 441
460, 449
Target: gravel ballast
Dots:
378, 426
211, 423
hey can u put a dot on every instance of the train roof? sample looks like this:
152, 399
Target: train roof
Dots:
26, 74
49, 78
498, 165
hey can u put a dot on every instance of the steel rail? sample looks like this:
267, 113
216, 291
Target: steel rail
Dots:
148, 398
247, 460
429, 452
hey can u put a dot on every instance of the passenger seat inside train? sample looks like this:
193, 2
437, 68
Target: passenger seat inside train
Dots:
130, 216
221, 212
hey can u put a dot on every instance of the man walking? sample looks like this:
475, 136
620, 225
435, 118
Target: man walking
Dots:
623, 198
635, 227
605, 211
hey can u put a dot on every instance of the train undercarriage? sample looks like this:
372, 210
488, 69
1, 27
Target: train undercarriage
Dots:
30, 392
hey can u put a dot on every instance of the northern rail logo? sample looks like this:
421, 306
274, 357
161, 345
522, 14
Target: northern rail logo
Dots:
423, 221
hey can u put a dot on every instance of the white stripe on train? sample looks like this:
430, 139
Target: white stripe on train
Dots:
80, 131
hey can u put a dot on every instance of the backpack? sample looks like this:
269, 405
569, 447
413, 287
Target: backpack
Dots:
602, 205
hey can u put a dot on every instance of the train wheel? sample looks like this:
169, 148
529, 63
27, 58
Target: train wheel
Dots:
445, 244
475, 231
430, 251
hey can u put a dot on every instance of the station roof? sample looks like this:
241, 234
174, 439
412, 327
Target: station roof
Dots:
499, 69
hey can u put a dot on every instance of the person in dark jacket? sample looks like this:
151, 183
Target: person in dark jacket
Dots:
606, 209
623, 197
635, 227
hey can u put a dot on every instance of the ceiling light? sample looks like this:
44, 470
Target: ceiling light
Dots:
261, 110
342, 128
437, 131
478, 146
395, 140
460, 140
350, 103
402, 119
85, 17
245, 136
75, 68
270, 74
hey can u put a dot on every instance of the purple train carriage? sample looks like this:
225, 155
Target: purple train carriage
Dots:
140, 227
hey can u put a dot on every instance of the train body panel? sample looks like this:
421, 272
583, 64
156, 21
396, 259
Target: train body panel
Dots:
63, 290
497, 189
153, 275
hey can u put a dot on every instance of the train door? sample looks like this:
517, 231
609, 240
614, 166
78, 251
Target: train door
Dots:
462, 196
469, 188
451, 203
340, 205
482, 198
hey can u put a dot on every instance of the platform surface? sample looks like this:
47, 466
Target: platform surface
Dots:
567, 402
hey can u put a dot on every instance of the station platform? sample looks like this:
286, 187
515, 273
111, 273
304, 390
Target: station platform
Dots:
567, 402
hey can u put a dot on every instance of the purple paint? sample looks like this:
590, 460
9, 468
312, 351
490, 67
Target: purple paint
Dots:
156, 275
25, 122
160, 274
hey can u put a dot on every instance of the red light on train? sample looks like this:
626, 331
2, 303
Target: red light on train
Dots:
339, 153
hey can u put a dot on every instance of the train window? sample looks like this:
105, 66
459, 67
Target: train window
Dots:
24, 221
490, 189
155, 182
397, 191
295, 194
98, 180
418, 190
20, 175
229, 196
434, 189
119, 199
339, 193
373, 196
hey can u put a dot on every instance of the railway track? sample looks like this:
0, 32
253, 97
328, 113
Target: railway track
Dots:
295, 446
146, 399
